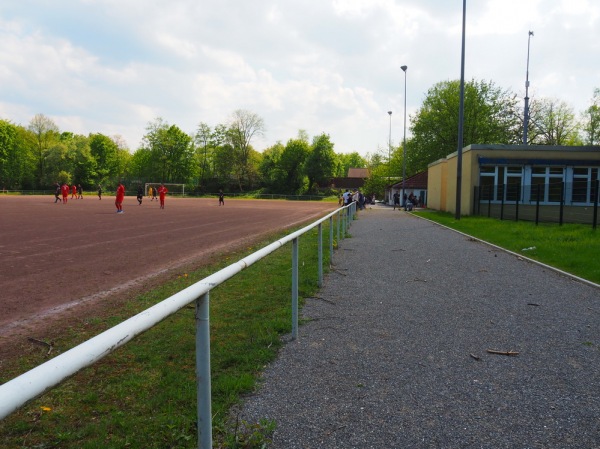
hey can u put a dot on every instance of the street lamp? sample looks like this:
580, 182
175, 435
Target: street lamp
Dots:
404, 68
461, 116
526, 112
390, 152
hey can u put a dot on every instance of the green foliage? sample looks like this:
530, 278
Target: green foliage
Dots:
171, 152
552, 123
106, 156
489, 118
376, 183
346, 161
591, 120
320, 163
250, 435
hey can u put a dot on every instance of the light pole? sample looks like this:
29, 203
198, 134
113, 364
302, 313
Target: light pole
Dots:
390, 154
526, 112
461, 116
404, 68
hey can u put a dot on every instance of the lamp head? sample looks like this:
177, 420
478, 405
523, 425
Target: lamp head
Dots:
404, 68
390, 112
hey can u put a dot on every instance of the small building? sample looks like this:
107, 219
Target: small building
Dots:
416, 185
527, 175
355, 180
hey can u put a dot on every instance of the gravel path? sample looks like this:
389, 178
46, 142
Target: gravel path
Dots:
395, 354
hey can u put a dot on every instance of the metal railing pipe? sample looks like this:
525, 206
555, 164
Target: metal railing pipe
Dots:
17, 392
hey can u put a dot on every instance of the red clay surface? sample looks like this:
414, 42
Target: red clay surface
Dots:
56, 258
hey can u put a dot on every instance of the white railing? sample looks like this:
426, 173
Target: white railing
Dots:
28, 386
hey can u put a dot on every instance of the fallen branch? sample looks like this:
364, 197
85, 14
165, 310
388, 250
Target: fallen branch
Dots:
511, 353
476, 357
50, 345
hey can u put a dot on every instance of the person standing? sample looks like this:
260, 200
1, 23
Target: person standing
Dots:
65, 192
99, 192
140, 195
79, 192
120, 197
396, 200
347, 197
221, 198
154, 192
73, 191
57, 191
162, 192
150, 193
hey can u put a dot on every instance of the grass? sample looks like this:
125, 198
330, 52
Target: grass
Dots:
573, 248
144, 394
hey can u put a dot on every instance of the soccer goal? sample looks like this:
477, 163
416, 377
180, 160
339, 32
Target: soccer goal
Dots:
174, 189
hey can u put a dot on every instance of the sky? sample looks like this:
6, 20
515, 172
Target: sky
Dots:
322, 66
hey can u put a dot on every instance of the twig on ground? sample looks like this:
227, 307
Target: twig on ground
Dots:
476, 357
511, 352
323, 299
50, 345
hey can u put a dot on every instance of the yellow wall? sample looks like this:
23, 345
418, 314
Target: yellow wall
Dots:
436, 185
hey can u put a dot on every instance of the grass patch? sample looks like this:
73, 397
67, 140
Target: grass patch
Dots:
571, 247
144, 394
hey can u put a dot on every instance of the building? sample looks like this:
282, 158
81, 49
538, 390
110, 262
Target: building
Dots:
416, 184
355, 180
527, 175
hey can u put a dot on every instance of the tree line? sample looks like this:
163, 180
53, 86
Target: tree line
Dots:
223, 157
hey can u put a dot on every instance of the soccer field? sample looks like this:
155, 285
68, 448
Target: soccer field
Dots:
58, 259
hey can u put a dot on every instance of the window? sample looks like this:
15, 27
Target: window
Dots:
550, 182
584, 182
501, 183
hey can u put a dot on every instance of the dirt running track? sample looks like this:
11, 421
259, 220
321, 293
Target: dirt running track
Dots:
57, 259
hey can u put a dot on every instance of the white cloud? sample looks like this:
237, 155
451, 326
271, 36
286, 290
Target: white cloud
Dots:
323, 66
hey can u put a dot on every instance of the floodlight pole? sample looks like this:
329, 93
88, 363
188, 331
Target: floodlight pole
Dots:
526, 112
390, 155
461, 113
404, 68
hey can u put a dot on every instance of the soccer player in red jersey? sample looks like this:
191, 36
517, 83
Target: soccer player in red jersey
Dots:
162, 192
120, 197
65, 192
73, 191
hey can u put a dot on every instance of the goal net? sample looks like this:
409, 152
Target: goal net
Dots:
174, 189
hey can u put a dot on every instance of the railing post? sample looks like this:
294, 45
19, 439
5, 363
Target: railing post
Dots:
295, 288
330, 240
339, 223
537, 205
562, 203
320, 244
596, 195
517, 203
502, 203
203, 372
